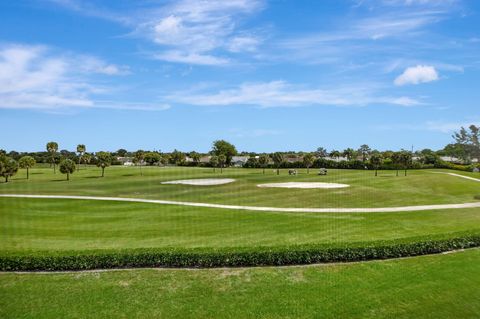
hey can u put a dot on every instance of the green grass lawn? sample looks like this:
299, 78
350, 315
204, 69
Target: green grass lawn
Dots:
53, 224
420, 187
440, 286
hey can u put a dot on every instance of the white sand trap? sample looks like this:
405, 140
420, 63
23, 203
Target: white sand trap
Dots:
202, 181
305, 185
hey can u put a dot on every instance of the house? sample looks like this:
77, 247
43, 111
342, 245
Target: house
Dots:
239, 161
125, 161
336, 159
205, 159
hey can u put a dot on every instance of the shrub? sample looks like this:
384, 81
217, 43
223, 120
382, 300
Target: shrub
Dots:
259, 256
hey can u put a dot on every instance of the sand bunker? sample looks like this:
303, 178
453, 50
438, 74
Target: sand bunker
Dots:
305, 185
202, 181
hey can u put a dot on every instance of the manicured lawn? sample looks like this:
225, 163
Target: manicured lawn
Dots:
420, 187
53, 224
440, 286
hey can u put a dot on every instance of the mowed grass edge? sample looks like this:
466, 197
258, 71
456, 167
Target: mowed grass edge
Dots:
439, 286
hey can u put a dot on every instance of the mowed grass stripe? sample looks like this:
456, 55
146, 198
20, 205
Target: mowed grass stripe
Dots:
419, 188
39, 224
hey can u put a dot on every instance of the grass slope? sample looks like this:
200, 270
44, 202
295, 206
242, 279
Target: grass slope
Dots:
52, 224
421, 187
440, 286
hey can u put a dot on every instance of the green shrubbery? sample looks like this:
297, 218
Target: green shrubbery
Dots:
259, 256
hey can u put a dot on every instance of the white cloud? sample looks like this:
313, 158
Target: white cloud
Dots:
30, 78
190, 58
283, 94
37, 77
416, 75
243, 44
191, 31
440, 126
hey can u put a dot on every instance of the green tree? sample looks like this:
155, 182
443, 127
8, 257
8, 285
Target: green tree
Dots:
365, 151
104, 159
87, 158
470, 139
321, 152
177, 157
195, 157
27, 162
138, 159
349, 153
52, 148
152, 158
8, 167
278, 159
376, 160
395, 157
405, 160
67, 166
335, 154
222, 147
308, 160
213, 162
81, 149
122, 152
222, 159
263, 160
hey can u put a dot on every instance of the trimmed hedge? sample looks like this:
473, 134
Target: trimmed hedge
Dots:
293, 255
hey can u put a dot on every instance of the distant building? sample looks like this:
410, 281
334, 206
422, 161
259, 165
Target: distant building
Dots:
239, 161
126, 161
205, 159
336, 159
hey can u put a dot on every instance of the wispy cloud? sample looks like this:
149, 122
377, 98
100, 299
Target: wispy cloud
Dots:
185, 31
416, 75
38, 77
200, 32
440, 126
283, 94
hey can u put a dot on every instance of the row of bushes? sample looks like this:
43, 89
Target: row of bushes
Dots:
237, 258
458, 167
353, 164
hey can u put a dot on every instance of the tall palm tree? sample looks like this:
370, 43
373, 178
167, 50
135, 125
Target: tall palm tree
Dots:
52, 148
81, 149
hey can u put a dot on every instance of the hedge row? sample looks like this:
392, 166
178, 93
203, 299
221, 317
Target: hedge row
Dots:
240, 258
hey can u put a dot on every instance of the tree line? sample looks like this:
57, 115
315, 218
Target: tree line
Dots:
466, 147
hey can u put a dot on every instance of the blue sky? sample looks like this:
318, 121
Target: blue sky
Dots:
265, 75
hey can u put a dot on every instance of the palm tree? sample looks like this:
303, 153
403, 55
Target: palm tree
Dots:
213, 162
86, 159
308, 160
396, 160
27, 162
67, 167
81, 149
104, 159
138, 159
278, 159
376, 160
335, 154
263, 160
52, 148
349, 153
